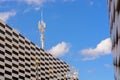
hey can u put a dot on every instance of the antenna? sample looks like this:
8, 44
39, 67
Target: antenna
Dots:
42, 26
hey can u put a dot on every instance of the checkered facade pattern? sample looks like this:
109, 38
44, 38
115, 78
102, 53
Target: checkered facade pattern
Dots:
20, 59
114, 19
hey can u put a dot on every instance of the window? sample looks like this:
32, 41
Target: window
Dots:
9, 46
1, 74
21, 59
1, 66
27, 59
8, 39
8, 59
1, 38
2, 32
21, 77
8, 52
15, 65
21, 71
10, 34
15, 34
14, 78
14, 52
7, 72
15, 59
15, 40
22, 65
2, 25
1, 45
7, 65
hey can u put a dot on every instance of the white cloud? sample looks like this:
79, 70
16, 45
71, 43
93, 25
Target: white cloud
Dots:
90, 70
60, 49
103, 48
107, 65
6, 15
91, 2
35, 4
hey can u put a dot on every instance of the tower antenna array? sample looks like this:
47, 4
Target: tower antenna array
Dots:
42, 26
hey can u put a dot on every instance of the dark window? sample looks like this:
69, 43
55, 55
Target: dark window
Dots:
7, 72
7, 65
42, 69
1, 74
21, 71
21, 41
27, 59
2, 25
8, 39
10, 34
32, 75
27, 53
33, 48
27, 70
21, 47
15, 40
21, 77
8, 27
15, 53
15, 46
8, 59
32, 43
32, 69
15, 65
1, 45
27, 42
32, 53
21, 53
1, 66
15, 34
7, 78
9, 46
2, 31
1, 38
14, 78
15, 59
22, 65
32, 59
21, 59
27, 76
21, 36
27, 48
27, 64
8, 52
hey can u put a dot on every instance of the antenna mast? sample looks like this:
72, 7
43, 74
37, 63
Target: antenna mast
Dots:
42, 26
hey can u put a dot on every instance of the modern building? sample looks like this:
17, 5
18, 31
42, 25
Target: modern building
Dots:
114, 19
21, 59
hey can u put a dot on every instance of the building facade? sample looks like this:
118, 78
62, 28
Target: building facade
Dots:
114, 19
21, 59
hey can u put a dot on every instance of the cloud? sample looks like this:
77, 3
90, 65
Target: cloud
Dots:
35, 4
107, 65
91, 2
103, 48
6, 15
60, 49
90, 70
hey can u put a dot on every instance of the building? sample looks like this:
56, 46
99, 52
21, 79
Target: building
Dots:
21, 59
114, 19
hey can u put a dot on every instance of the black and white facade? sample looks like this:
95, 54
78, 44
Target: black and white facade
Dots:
114, 19
20, 59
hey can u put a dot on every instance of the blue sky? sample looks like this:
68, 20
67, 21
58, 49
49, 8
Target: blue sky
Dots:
77, 31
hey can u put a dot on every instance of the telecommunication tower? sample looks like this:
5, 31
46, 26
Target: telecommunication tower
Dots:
42, 26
